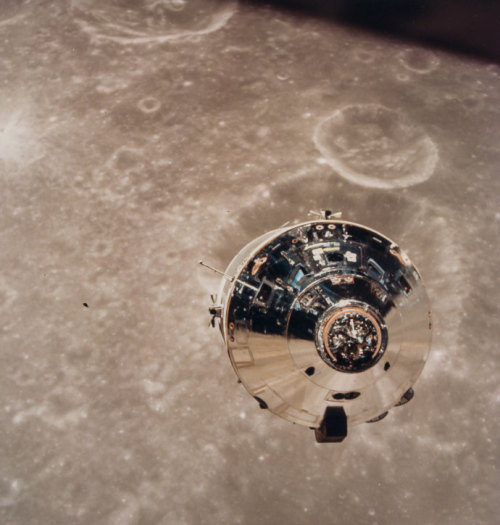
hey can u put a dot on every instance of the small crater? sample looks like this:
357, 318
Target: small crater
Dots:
149, 105
419, 60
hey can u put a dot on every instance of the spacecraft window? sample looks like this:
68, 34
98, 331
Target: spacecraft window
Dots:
374, 271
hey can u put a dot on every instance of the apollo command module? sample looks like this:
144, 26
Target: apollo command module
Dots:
326, 322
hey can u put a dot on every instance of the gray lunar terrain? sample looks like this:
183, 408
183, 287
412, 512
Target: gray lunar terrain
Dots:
139, 137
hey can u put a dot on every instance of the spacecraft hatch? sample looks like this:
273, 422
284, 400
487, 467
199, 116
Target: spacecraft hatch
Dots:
326, 323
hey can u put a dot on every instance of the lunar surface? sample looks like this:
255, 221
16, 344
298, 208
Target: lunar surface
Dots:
376, 146
139, 137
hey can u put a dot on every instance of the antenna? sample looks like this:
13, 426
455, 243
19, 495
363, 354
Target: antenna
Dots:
225, 275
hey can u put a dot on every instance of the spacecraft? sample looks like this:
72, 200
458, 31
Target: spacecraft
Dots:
326, 323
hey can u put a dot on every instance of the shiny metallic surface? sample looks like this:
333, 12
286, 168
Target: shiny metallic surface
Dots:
351, 338
325, 313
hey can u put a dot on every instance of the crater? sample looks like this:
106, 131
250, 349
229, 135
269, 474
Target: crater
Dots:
376, 146
151, 21
149, 105
419, 60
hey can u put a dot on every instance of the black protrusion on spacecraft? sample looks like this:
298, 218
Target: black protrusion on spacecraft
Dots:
333, 428
346, 395
216, 313
407, 396
378, 418
262, 403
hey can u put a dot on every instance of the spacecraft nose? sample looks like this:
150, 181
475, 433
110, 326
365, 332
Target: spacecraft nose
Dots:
351, 338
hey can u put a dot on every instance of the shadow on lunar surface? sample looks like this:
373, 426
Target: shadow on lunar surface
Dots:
151, 21
375, 146
466, 26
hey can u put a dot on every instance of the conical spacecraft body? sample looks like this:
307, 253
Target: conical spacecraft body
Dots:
326, 323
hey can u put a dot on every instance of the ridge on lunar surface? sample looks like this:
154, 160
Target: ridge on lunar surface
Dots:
375, 146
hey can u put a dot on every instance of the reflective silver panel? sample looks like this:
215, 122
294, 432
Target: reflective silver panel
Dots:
326, 313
